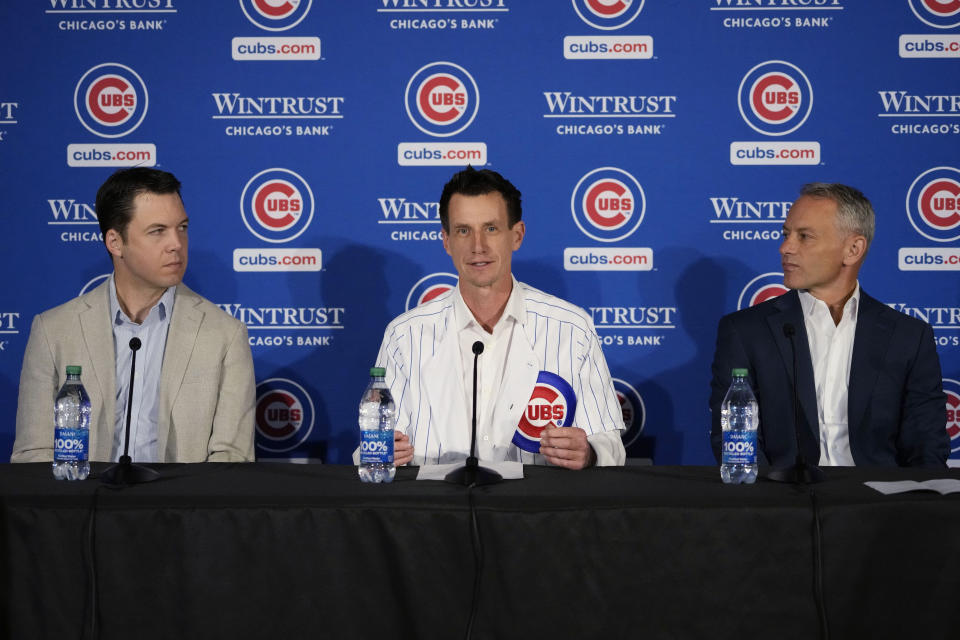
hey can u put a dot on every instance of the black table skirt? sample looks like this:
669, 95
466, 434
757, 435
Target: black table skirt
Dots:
292, 551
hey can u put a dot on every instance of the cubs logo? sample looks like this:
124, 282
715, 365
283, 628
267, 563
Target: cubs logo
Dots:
430, 287
284, 415
608, 14
608, 204
276, 205
93, 284
633, 410
933, 204
441, 99
952, 389
762, 288
775, 98
275, 15
552, 404
941, 14
110, 100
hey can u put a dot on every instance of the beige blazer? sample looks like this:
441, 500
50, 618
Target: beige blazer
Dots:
207, 387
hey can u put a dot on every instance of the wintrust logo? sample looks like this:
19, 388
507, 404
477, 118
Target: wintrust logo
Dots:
408, 217
8, 116
111, 15
629, 325
441, 15
777, 14
609, 114
919, 113
9, 321
302, 112
748, 219
76, 220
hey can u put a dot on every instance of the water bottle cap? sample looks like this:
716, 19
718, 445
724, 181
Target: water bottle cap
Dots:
74, 370
377, 372
740, 373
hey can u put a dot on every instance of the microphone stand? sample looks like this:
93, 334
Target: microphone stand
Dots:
472, 474
801, 471
125, 472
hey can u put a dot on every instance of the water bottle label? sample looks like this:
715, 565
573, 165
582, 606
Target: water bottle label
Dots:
376, 447
739, 447
70, 444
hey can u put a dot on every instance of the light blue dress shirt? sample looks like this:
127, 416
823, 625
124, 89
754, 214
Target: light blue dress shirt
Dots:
146, 383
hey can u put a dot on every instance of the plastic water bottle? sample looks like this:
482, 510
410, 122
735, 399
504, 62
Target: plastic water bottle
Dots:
739, 418
377, 417
72, 433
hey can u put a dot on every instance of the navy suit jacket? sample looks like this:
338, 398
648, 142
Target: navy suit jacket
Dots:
896, 408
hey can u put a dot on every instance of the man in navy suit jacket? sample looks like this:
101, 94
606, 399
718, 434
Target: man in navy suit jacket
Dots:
868, 377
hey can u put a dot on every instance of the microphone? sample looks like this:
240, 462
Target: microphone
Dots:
801, 471
472, 474
125, 472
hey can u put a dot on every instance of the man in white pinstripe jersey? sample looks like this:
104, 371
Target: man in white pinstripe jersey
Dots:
544, 393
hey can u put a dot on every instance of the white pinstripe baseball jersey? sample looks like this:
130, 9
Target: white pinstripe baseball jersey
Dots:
421, 354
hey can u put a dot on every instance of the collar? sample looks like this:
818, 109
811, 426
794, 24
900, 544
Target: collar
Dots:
164, 305
515, 309
810, 303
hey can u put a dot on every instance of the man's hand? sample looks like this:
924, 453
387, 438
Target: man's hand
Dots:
402, 449
567, 447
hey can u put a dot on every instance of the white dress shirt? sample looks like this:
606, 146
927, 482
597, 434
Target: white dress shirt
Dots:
491, 364
831, 352
146, 382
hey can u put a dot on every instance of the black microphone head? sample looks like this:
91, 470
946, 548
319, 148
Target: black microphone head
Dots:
788, 330
477, 348
134, 344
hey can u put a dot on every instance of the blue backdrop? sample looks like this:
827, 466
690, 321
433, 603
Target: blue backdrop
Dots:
657, 145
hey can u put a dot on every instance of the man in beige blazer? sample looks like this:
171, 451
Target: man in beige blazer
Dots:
199, 404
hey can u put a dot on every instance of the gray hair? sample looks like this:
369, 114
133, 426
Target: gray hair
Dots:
854, 211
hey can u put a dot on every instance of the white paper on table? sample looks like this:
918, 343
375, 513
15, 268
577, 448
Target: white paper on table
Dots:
509, 470
943, 486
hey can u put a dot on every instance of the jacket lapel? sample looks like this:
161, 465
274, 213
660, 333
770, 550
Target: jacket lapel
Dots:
870, 343
181, 338
98, 340
789, 311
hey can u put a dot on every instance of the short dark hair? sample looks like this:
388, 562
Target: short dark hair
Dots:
115, 196
473, 182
